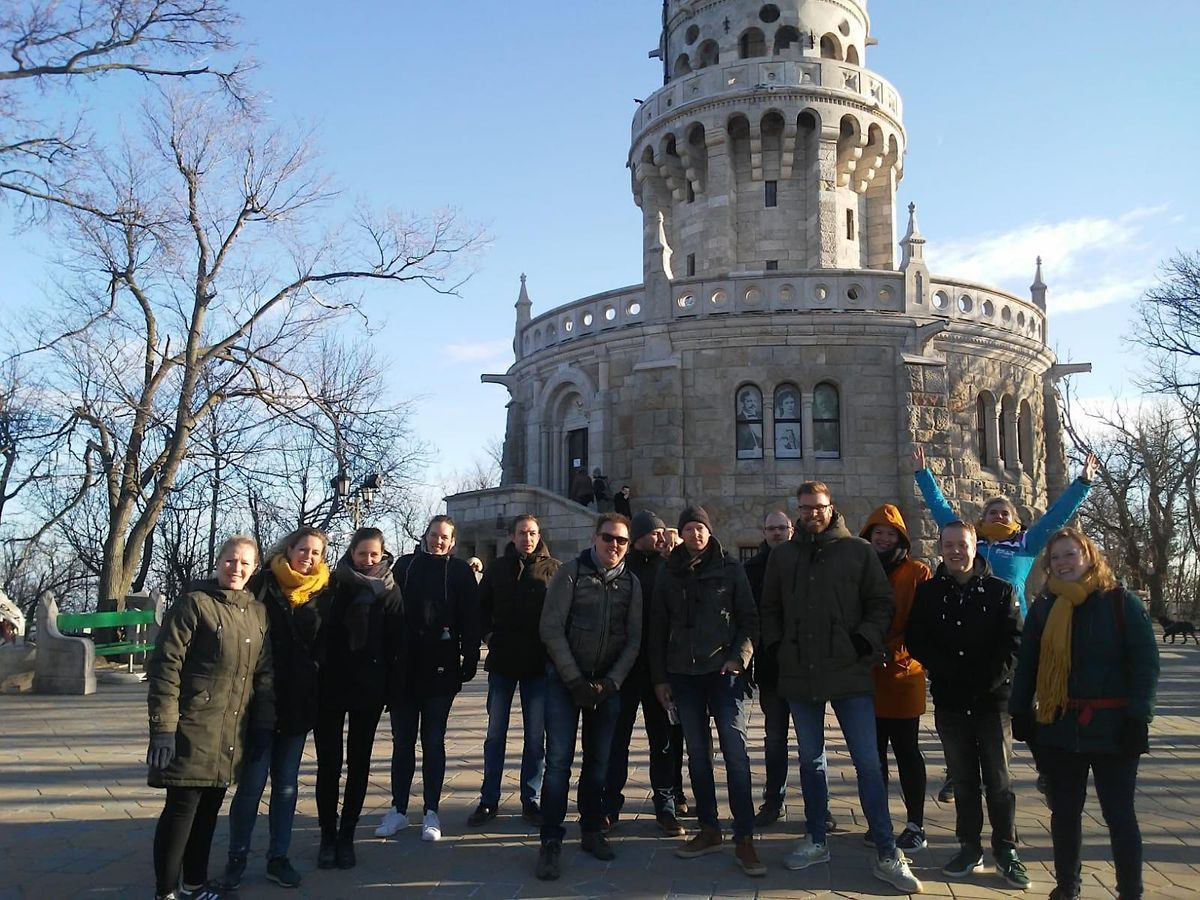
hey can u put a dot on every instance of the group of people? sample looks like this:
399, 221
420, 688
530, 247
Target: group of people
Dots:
820, 617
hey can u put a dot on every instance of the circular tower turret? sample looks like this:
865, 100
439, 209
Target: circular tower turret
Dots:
770, 146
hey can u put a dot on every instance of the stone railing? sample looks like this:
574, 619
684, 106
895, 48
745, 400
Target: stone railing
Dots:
742, 75
843, 290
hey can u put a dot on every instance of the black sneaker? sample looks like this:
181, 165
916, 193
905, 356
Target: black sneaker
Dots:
832, 826
344, 852
532, 814
966, 861
946, 794
483, 813
1062, 893
549, 863
280, 871
231, 878
768, 814
595, 843
1012, 870
912, 838
327, 855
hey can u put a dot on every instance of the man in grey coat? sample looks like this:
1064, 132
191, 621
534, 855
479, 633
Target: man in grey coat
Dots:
591, 626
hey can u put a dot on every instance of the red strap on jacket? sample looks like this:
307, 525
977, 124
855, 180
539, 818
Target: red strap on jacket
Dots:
1088, 705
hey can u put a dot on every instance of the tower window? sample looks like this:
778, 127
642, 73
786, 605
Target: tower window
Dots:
771, 193
691, 264
772, 265
827, 421
691, 193
849, 224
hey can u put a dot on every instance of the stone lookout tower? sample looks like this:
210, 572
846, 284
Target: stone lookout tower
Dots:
774, 338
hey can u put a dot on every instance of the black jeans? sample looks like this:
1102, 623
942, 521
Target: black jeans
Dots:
666, 749
978, 743
1115, 777
428, 717
327, 738
184, 836
903, 734
777, 732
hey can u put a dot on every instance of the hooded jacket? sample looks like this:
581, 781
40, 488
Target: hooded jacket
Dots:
441, 614
819, 590
210, 678
966, 637
900, 681
703, 615
510, 597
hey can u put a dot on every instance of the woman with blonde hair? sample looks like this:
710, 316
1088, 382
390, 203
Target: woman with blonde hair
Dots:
291, 588
210, 679
1084, 689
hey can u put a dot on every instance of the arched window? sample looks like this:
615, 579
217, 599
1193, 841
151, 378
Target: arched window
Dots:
748, 418
981, 416
1008, 432
683, 65
787, 422
786, 38
986, 431
827, 421
1025, 436
708, 54
831, 48
852, 55
752, 43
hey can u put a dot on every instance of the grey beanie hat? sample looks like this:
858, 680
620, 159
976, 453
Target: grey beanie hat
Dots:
694, 514
643, 522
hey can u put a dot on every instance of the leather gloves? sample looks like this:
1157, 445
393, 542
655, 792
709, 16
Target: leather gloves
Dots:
607, 687
583, 694
162, 749
1133, 737
1024, 727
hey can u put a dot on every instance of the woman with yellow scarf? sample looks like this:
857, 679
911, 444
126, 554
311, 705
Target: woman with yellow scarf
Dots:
1084, 688
295, 576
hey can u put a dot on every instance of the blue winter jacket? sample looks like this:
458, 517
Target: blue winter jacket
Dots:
1012, 558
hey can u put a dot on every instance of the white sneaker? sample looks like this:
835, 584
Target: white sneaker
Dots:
895, 871
393, 821
431, 826
806, 854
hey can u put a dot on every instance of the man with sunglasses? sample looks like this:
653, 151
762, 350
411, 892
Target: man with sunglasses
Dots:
591, 626
826, 608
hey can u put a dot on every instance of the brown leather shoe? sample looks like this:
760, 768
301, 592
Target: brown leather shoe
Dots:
747, 858
670, 825
707, 840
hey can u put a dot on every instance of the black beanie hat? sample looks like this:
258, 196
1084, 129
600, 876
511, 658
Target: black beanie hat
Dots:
694, 514
643, 522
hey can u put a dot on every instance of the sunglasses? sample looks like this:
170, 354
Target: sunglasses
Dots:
613, 539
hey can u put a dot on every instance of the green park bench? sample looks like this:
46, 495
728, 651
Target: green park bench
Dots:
135, 622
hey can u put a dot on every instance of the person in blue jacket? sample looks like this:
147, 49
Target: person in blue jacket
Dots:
1004, 542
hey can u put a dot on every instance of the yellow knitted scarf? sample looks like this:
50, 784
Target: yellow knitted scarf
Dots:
1054, 660
997, 531
299, 589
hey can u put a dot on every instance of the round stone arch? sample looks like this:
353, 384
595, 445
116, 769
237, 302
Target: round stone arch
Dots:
567, 421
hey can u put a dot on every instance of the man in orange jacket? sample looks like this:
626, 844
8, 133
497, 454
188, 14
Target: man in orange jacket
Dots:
900, 682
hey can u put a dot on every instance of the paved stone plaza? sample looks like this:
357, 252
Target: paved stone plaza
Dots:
78, 819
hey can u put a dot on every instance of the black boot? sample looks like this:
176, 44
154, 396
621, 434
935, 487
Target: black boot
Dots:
327, 855
345, 846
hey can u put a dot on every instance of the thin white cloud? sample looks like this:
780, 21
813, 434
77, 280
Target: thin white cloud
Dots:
478, 351
1119, 290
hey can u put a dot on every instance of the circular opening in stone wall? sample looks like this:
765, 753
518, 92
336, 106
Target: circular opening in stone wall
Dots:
692, 34
820, 292
633, 308
1021, 320
844, 28
786, 293
568, 325
610, 313
853, 293
587, 319
685, 301
885, 293
718, 297
987, 308
940, 300
965, 305
1006, 315
752, 295
769, 13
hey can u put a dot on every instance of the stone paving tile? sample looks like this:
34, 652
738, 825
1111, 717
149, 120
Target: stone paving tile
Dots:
78, 820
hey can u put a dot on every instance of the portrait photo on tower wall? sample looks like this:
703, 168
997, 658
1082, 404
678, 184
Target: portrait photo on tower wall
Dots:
787, 422
749, 423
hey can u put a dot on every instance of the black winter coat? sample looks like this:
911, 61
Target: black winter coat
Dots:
510, 597
441, 609
294, 632
367, 677
966, 637
703, 616
645, 567
766, 662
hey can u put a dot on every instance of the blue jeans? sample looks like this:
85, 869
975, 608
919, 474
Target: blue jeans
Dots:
428, 717
279, 756
533, 751
724, 698
562, 725
856, 716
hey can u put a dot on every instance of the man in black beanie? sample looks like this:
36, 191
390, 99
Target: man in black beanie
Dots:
703, 625
645, 560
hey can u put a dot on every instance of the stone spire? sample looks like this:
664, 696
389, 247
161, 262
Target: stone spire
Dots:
912, 245
524, 305
912, 264
1037, 290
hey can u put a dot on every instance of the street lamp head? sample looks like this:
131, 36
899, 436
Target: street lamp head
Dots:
341, 484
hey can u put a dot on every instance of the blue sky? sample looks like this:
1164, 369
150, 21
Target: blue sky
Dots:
1066, 129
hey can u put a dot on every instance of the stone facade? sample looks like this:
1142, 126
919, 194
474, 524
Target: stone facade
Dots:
766, 169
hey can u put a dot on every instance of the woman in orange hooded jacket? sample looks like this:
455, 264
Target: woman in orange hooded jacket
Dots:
900, 681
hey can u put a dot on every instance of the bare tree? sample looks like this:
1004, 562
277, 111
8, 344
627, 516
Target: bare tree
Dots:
1168, 325
198, 278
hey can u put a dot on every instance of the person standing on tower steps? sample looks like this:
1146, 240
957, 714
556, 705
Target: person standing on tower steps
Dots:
592, 628
645, 561
964, 628
826, 609
1086, 678
512, 593
703, 626
900, 681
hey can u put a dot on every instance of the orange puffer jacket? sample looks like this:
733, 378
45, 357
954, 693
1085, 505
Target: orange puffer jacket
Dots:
899, 683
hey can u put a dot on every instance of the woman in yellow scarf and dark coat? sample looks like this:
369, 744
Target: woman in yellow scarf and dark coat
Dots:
1084, 688
289, 586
